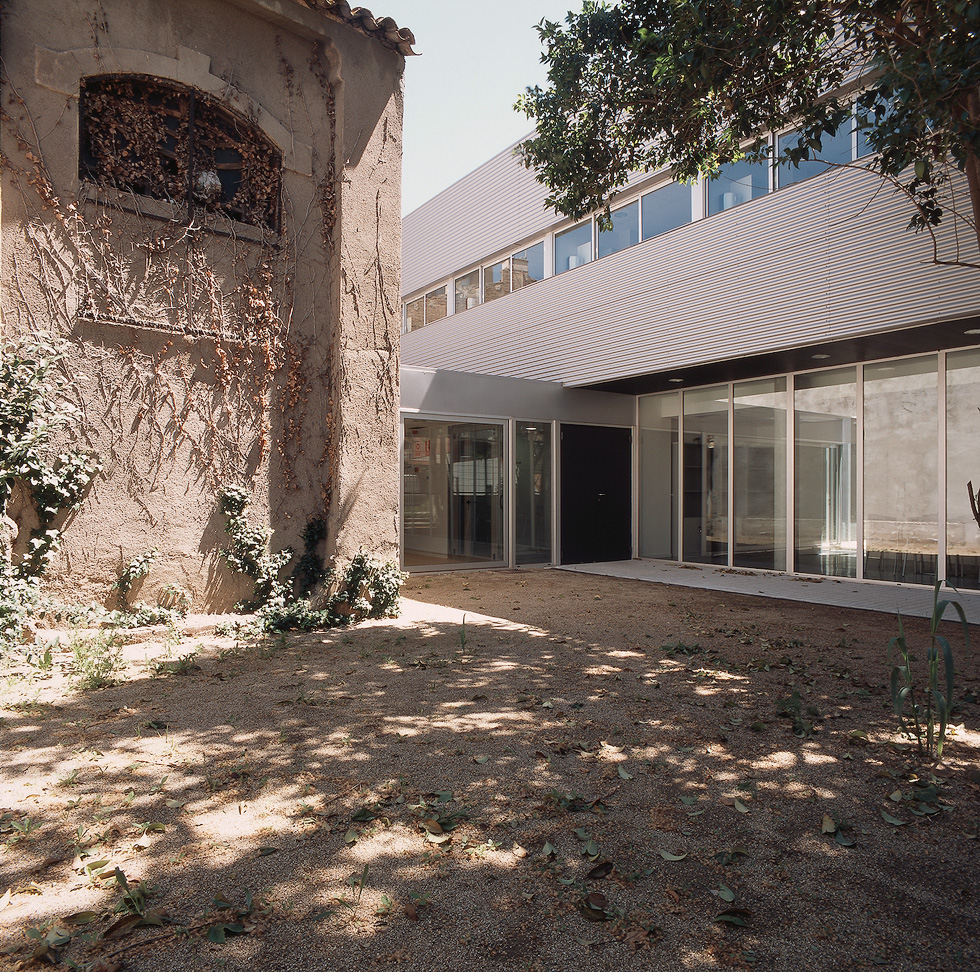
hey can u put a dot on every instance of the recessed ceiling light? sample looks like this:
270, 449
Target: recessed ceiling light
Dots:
819, 357
973, 330
675, 381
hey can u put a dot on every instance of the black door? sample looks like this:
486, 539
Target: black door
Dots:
596, 493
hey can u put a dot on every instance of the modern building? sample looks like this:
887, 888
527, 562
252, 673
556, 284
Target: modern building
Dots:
766, 370
200, 208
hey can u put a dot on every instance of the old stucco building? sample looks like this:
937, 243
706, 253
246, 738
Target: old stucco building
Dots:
200, 203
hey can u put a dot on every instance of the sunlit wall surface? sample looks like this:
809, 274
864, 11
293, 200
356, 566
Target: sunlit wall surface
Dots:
452, 498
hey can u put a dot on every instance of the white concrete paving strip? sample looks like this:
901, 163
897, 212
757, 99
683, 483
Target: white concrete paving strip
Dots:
912, 600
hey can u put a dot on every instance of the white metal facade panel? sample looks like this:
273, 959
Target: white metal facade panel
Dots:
455, 393
494, 209
823, 260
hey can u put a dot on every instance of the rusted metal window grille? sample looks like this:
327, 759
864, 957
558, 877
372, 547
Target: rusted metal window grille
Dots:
169, 142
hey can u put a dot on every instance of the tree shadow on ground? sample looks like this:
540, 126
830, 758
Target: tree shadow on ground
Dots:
495, 795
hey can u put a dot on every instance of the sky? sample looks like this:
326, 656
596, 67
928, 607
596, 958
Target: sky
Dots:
476, 59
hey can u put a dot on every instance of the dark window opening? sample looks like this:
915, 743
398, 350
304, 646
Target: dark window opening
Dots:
173, 143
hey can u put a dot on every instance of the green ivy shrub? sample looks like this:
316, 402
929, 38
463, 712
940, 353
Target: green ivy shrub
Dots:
249, 552
368, 587
33, 408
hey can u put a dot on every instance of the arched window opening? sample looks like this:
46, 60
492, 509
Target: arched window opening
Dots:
169, 142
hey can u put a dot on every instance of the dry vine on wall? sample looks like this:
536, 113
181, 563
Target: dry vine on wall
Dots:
177, 329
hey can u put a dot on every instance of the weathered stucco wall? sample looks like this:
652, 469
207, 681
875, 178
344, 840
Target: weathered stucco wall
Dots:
212, 353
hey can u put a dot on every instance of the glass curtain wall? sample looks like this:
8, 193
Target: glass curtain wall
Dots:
962, 467
453, 500
532, 493
867, 443
826, 473
659, 467
705, 500
760, 474
901, 470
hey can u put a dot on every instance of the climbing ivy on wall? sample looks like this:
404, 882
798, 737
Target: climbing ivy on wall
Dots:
180, 326
201, 354
33, 413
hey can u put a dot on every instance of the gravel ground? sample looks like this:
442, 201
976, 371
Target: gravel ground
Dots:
585, 773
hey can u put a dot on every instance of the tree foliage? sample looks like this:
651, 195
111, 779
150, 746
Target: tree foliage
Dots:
699, 83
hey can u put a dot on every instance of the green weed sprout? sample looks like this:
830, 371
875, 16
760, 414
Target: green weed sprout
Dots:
919, 706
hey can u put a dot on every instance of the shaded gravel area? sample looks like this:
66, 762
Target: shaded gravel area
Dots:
582, 773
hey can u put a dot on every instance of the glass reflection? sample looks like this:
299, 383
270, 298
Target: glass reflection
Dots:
532, 493
666, 208
834, 149
760, 474
496, 280
705, 501
658, 475
625, 230
435, 305
901, 483
826, 473
415, 314
962, 466
573, 247
737, 183
527, 267
452, 503
467, 291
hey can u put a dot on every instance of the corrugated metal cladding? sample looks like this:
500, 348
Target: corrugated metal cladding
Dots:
497, 205
494, 208
823, 260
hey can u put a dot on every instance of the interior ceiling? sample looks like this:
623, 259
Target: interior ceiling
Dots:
894, 344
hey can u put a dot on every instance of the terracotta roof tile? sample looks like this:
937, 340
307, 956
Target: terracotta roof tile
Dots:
384, 29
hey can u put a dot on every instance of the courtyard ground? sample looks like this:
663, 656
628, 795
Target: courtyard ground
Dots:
583, 773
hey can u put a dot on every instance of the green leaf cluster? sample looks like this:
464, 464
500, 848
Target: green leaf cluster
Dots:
136, 569
696, 84
922, 698
368, 588
249, 551
34, 410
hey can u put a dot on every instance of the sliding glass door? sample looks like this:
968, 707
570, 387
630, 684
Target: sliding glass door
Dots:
869, 480
962, 468
760, 474
706, 475
901, 470
826, 473
453, 493
532, 493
